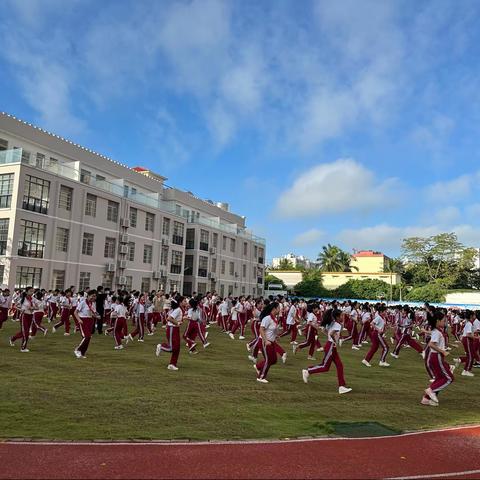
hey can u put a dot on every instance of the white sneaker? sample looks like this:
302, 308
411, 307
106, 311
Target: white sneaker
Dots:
206, 335
294, 349
129, 338
311, 358
294, 343
26, 350
172, 367
384, 364
457, 361
342, 390
423, 354
431, 380
252, 358
11, 343
393, 355
365, 341
256, 369
249, 349
340, 342
150, 334
466, 373
140, 340
367, 364
355, 348
232, 336
320, 349
430, 393
427, 401
193, 352
205, 345
452, 368
77, 353
284, 358
262, 380
158, 349
66, 334
45, 332
54, 329
118, 347
305, 375
241, 337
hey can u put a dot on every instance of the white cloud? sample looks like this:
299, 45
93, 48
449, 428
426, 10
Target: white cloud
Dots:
433, 135
447, 215
307, 238
455, 189
340, 186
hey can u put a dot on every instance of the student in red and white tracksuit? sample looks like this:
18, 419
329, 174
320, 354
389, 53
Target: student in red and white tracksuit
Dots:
86, 315
38, 314
378, 329
292, 320
353, 332
119, 317
476, 339
252, 345
333, 328
194, 328
223, 312
5, 304
139, 312
26, 307
65, 312
269, 335
174, 320
234, 322
53, 306
365, 319
406, 325
467, 340
311, 334
436, 365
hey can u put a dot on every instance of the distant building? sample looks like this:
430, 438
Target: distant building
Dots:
298, 261
369, 261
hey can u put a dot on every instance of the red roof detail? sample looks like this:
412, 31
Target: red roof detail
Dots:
140, 169
368, 253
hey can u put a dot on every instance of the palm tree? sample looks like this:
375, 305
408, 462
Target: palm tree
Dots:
333, 259
393, 265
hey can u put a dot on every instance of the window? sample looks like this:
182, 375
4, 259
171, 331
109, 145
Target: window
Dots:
176, 266
109, 250
3, 144
260, 255
31, 242
149, 222
2, 272
6, 188
214, 265
243, 290
202, 266
214, 240
99, 179
230, 290
28, 277
223, 268
84, 283
63, 235
4, 223
231, 269
254, 273
107, 280
58, 280
147, 254
65, 198
35, 195
128, 283
39, 160
112, 211
26, 156
85, 176
133, 216
164, 256
131, 251
178, 233
224, 242
91, 205
222, 290
87, 244
188, 270
255, 250
178, 210
145, 286
232, 245
245, 248
202, 288
190, 241
204, 237
166, 227
244, 271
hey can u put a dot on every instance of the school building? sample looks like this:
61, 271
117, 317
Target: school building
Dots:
71, 216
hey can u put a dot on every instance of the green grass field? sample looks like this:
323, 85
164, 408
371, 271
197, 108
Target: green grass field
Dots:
129, 394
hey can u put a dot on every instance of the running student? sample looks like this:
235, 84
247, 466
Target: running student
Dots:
174, 320
313, 311
377, 338
38, 313
333, 328
194, 328
26, 307
467, 340
405, 327
86, 314
435, 361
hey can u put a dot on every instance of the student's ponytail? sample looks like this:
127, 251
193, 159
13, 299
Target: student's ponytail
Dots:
268, 310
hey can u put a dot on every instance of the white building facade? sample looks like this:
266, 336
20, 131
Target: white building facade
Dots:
298, 261
70, 216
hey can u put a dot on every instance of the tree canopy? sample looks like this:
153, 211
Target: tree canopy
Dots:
334, 259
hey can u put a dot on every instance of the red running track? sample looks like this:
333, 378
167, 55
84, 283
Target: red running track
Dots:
450, 453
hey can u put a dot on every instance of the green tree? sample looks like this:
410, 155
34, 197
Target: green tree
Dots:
334, 259
311, 284
393, 265
269, 278
432, 292
285, 265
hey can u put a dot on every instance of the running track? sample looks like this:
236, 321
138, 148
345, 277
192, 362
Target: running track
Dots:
449, 453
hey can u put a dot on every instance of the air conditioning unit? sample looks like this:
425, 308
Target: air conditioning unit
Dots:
110, 267
124, 238
125, 222
165, 241
236, 274
158, 274
213, 250
122, 264
123, 249
122, 280
212, 278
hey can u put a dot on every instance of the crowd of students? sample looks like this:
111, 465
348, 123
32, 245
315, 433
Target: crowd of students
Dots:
430, 331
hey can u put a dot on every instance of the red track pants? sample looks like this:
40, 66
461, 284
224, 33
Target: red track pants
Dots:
331, 355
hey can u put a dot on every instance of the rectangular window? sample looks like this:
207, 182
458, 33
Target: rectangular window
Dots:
214, 265
231, 269
224, 242
40, 160
91, 205
65, 198
149, 222
176, 265
190, 242
31, 241
36, 194
107, 280
166, 227
255, 250
204, 237
245, 248
188, 265
244, 271
133, 217
223, 267
145, 286
147, 254
128, 283
2, 272
109, 250
3, 144
4, 223
214, 240
85, 176
131, 251
112, 211
6, 188
202, 266
58, 279
261, 259
164, 256
178, 233
87, 244
63, 235
202, 288
28, 277
26, 156
84, 283
232, 245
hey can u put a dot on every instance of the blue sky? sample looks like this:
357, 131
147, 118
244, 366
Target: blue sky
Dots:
346, 121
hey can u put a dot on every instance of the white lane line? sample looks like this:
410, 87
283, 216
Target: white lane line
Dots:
437, 475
